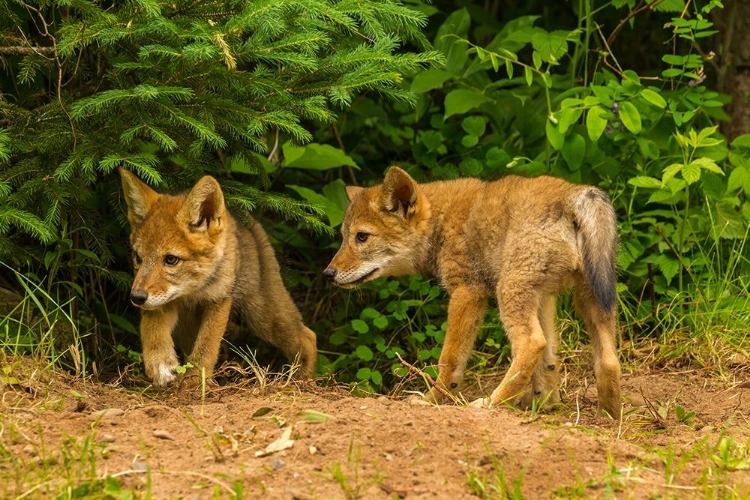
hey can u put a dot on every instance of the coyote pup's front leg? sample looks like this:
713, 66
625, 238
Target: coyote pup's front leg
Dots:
159, 356
208, 342
465, 315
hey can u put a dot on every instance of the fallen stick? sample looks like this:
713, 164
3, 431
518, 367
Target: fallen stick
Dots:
426, 376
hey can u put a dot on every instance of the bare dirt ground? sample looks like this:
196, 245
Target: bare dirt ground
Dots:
57, 442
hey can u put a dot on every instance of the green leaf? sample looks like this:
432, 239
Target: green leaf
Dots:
376, 377
360, 326
568, 116
648, 148
654, 98
509, 68
670, 172
364, 373
429, 79
451, 40
364, 353
459, 101
691, 173
333, 212
596, 122
474, 125
551, 46
706, 163
668, 265
645, 182
554, 136
574, 150
315, 157
380, 322
630, 117
469, 141
528, 74
738, 178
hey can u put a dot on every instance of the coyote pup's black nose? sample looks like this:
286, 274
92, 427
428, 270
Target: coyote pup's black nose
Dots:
329, 273
138, 297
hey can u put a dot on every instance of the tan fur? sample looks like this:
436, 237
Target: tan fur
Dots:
522, 240
224, 271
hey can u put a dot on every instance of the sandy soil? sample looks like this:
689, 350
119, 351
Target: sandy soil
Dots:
54, 435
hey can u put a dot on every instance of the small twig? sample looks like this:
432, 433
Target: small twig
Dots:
426, 376
654, 412
25, 51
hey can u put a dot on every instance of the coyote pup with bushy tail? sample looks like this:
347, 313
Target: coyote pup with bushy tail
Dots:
195, 266
524, 240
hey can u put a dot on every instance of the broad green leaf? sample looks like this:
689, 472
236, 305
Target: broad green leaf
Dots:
429, 79
648, 148
568, 116
334, 212
474, 125
509, 68
376, 377
550, 46
670, 172
364, 353
536, 59
364, 373
553, 135
574, 150
360, 326
630, 117
645, 182
738, 178
668, 265
654, 98
459, 101
707, 164
596, 122
449, 40
381, 322
469, 141
691, 173
315, 157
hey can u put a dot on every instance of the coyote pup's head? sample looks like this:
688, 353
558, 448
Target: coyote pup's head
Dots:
383, 231
177, 240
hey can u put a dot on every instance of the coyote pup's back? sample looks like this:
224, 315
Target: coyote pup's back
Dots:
195, 267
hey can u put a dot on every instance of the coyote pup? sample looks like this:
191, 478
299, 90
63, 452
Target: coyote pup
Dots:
524, 240
195, 266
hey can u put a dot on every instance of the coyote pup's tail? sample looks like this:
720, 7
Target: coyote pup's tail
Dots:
597, 224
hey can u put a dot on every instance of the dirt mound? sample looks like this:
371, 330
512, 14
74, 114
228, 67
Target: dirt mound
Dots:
683, 435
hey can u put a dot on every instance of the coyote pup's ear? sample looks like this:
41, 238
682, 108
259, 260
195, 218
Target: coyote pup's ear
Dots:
353, 191
399, 192
203, 208
138, 196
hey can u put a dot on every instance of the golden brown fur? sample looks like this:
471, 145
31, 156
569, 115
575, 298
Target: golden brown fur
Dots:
222, 269
522, 240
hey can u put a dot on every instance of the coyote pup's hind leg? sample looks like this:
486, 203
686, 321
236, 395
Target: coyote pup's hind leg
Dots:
545, 380
519, 308
601, 326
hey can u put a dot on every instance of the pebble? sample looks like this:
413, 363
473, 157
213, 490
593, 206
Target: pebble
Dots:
313, 449
30, 450
107, 438
163, 435
278, 463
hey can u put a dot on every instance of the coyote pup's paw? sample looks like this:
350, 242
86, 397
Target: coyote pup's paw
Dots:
481, 403
163, 372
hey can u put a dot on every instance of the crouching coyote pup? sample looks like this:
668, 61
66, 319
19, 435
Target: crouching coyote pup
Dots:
524, 240
195, 266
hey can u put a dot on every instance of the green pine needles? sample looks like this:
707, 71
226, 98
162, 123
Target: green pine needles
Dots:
173, 90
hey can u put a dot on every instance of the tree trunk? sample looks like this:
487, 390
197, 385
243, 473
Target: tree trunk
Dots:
734, 69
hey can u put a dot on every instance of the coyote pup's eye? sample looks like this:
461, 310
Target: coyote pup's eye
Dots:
362, 237
171, 260
137, 259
